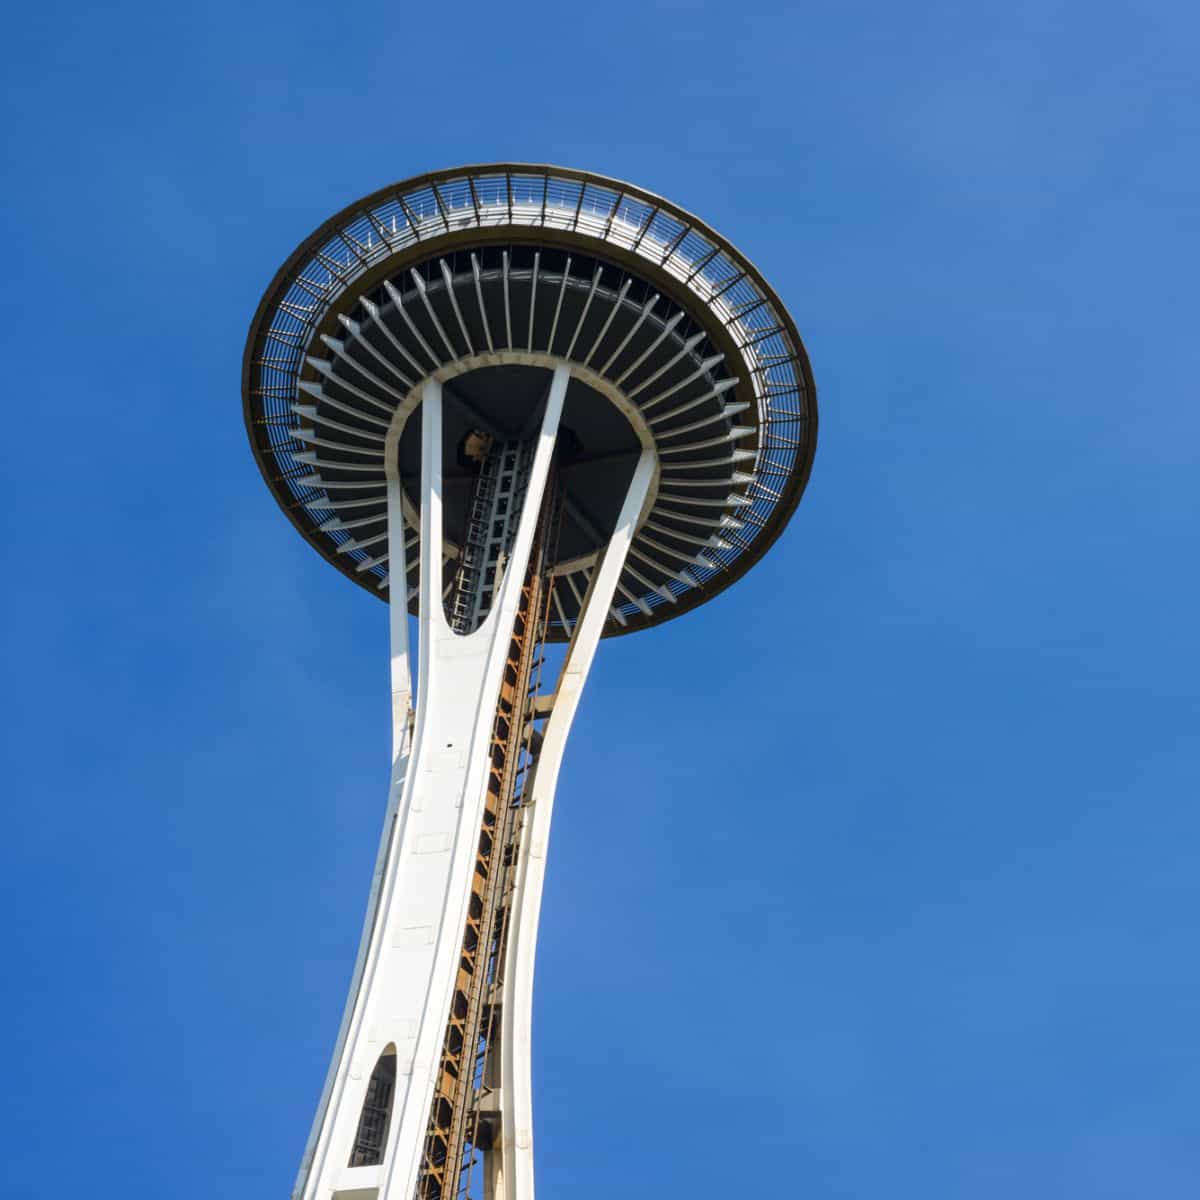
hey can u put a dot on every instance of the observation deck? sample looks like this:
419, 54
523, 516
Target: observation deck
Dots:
599, 413
487, 278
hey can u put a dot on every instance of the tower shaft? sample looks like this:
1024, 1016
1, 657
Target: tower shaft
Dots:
405, 378
459, 1125
428, 1096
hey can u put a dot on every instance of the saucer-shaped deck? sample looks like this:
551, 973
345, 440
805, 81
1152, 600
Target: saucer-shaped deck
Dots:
486, 278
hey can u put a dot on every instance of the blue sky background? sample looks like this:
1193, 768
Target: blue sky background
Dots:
891, 888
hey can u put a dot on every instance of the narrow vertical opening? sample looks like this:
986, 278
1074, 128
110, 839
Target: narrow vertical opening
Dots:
498, 473
376, 1118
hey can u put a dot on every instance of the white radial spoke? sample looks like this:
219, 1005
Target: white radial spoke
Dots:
367, 564
343, 353
562, 291
483, 316
365, 544
733, 500
376, 316
325, 504
335, 523
695, 519
310, 459
635, 599
311, 439
315, 389
612, 312
587, 304
315, 480
719, 390
423, 292
666, 331
398, 302
537, 258
697, 560
682, 353
727, 413
507, 302
462, 325
725, 481
325, 367
735, 456
713, 541
660, 588
641, 317
355, 330
731, 435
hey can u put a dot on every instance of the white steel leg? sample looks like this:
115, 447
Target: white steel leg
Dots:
401, 680
517, 1095
403, 990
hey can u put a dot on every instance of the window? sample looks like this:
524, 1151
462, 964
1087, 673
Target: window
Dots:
371, 1139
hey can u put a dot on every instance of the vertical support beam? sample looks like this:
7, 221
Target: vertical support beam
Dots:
515, 1168
403, 987
401, 688
401, 671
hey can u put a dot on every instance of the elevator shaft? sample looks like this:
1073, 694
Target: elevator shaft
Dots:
463, 1117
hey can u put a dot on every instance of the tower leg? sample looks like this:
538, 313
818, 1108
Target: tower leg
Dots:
515, 1179
413, 936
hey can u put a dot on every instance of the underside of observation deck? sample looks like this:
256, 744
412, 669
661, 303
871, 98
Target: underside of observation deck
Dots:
479, 278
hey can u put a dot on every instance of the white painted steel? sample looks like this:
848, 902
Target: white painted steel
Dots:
401, 680
413, 935
404, 973
517, 1089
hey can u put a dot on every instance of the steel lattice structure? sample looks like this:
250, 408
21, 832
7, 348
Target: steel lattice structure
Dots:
528, 405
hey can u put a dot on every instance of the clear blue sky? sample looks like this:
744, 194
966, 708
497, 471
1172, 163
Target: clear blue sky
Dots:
892, 888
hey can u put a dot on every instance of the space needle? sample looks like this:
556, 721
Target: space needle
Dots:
526, 405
